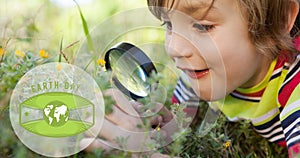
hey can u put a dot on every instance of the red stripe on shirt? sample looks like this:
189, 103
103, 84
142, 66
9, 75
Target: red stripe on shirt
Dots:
287, 90
174, 100
282, 59
282, 143
255, 94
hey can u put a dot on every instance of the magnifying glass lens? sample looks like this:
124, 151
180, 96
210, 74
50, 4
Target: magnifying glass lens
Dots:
131, 69
129, 73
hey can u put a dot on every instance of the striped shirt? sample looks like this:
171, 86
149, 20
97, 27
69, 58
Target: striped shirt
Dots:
272, 106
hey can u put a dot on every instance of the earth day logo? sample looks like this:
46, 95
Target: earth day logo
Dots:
54, 106
53, 113
57, 109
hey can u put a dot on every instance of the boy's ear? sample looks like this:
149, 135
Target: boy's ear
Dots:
293, 12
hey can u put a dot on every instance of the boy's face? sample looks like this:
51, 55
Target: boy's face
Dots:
213, 49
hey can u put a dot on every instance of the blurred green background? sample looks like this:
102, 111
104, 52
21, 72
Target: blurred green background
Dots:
40, 24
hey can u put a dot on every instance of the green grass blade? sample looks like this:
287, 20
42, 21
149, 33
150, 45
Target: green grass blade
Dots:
60, 49
85, 29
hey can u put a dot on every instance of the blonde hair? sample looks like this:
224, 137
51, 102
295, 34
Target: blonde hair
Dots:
267, 22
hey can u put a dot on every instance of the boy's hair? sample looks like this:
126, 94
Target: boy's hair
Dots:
267, 21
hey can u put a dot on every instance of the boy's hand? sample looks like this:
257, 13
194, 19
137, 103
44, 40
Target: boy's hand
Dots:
124, 129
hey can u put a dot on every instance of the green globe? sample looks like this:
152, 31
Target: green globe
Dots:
56, 113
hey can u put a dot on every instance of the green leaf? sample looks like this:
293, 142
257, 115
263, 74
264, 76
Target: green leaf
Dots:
60, 49
85, 29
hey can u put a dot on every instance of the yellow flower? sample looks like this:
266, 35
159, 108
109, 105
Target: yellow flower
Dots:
227, 144
148, 111
44, 54
1, 51
20, 54
58, 66
101, 62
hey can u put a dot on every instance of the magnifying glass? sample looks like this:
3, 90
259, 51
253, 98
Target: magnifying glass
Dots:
131, 69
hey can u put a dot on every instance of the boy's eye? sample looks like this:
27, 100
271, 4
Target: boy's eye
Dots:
203, 27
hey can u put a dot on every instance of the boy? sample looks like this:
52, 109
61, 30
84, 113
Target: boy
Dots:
241, 55
241, 52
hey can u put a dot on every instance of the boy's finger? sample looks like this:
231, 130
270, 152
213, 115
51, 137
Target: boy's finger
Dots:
124, 120
167, 114
137, 106
158, 120
110, 131
163, 116
121, 101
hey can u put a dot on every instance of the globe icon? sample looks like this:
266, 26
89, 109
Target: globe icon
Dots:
56, 113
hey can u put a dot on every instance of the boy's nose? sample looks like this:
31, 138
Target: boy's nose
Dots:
179, 46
